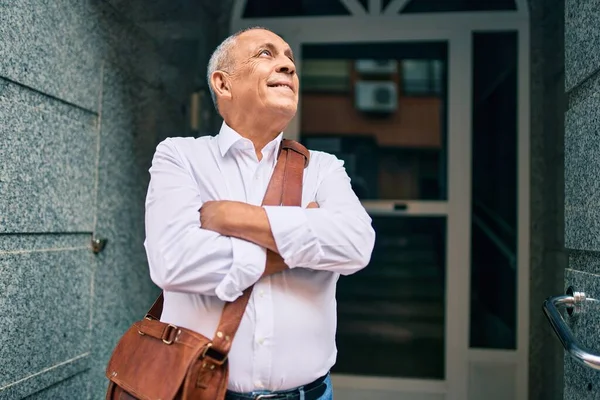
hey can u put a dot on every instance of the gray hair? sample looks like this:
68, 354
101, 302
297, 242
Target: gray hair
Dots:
221, 59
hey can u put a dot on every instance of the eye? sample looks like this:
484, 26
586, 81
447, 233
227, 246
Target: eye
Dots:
265, 52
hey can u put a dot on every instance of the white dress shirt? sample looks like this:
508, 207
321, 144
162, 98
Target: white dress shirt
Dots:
287, 335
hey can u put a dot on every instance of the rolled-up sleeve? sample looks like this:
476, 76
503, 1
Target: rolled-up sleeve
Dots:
182, 256
248, 265
338, 236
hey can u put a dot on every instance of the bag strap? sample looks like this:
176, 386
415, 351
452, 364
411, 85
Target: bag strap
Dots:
285, 188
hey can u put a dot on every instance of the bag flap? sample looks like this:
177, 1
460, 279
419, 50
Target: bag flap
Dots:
152, 358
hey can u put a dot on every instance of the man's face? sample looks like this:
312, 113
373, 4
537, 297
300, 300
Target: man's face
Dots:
264, 75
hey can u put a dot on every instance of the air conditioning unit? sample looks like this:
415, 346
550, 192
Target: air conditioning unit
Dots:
376, 67
376, 96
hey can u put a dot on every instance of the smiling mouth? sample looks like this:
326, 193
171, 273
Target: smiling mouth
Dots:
281, 85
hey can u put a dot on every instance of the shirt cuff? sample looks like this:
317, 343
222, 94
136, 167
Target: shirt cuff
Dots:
248, 265
296, 241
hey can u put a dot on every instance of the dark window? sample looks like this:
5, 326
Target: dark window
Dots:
326, 76
494, 192
430, 6
296, 8
391, 315
421, 77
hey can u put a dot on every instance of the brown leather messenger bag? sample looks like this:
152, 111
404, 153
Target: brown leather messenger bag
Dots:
158, 361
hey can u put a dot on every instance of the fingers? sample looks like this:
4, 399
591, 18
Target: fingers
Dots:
312, 204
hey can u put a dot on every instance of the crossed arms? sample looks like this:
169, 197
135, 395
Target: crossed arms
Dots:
245, 221
221, 250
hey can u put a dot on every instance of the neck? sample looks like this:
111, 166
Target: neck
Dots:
259, 131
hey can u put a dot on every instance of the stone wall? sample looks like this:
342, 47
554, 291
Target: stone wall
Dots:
85, 96
582, 188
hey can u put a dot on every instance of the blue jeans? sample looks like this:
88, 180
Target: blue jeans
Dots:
328, 395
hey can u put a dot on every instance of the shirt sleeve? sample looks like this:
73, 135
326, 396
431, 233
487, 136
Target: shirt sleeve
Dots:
338, 236
182, 256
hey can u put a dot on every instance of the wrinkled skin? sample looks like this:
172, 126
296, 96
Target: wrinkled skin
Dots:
258, 96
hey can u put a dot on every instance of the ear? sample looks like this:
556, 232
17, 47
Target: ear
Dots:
221, 84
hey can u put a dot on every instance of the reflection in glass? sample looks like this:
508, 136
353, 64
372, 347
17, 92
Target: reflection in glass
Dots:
391, 314
494, 192
326, 76
380, 107
422, 77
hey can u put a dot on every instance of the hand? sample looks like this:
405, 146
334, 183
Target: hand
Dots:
274, 264
216, 215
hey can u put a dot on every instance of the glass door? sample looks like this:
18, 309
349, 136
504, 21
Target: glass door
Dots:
382, 108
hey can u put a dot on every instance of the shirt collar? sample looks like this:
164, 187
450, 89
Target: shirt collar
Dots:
228, 137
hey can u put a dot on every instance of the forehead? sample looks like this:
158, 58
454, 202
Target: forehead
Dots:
248, 41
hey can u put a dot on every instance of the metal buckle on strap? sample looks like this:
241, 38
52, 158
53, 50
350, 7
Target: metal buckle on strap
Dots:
269, 396
214, 356
167, 333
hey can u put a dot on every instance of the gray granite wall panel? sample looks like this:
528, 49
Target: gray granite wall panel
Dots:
85, 96
582, 168
582, 187
582, 383
123, 43
36, 385
57, 48
582, 40
45, 312
585, 261
75, 387
158, 10
43, 242
41, 47
48, 164
123, 289
17, 93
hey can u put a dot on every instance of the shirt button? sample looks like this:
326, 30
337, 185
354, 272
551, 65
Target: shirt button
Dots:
261, 293
258, 384
261, 341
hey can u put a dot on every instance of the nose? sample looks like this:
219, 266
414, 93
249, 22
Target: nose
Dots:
286, 66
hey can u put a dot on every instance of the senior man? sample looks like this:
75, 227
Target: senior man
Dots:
207, 235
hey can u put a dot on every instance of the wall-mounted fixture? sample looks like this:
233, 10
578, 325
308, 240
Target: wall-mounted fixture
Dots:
376, 96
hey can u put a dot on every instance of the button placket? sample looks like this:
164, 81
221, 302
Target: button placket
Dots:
264, 328
258, 187
263, 350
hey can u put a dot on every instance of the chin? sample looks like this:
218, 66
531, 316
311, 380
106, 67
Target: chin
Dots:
284, 109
